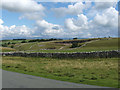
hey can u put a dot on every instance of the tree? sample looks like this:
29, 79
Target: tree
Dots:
74, 44
8, 43
12, 46
13, 43
74, 38
4, 45
23, 41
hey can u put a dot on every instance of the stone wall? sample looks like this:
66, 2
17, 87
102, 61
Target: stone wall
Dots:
78, 41
100, 54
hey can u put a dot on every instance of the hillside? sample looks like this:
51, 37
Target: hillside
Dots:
96, 44
6, 49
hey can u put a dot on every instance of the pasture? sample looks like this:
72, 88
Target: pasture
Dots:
91, 71
6, 49
51, 46
97, 71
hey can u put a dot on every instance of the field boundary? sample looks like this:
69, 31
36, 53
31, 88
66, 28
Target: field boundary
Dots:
96, 54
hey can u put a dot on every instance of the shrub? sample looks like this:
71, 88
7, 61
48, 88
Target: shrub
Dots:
23, 41
13, 43
74, 44
8, 43
4, 45
74, 38
12, 46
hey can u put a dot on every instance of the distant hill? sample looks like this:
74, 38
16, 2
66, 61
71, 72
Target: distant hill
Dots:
58, 45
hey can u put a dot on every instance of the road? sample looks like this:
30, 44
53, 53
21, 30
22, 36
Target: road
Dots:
17, 80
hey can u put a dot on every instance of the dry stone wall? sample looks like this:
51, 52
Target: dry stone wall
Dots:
100, 54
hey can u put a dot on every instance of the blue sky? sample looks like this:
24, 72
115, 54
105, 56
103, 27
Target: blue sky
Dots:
11, 18
58, 20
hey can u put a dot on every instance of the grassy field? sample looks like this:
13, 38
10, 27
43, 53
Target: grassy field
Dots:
51, 46
38, 45
100, 45
100, 72
6, 49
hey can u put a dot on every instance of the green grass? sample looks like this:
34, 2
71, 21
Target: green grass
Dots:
23, 46
101, 45
51, 47
110, 44
6, 49
38, 45
98, 71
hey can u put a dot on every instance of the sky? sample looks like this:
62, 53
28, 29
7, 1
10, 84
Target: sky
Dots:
30, 19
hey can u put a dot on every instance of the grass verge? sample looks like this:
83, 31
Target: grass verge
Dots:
99, 71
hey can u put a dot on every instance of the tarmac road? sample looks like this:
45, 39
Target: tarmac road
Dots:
17, 80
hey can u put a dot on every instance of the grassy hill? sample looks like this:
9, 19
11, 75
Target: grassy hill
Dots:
100, 44
91, 71
6, 49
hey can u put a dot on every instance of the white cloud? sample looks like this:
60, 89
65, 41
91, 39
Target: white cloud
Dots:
22, 6
69, 24
33, 16
75, 9
109, 18
103, 22
29, 8
104, 5
15, 31
48, 29
76, 24
99, 8
77, 27
1, 21
119, 21
81, 21
42, 29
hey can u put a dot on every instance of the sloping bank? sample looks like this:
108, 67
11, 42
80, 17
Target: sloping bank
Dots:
98, 54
